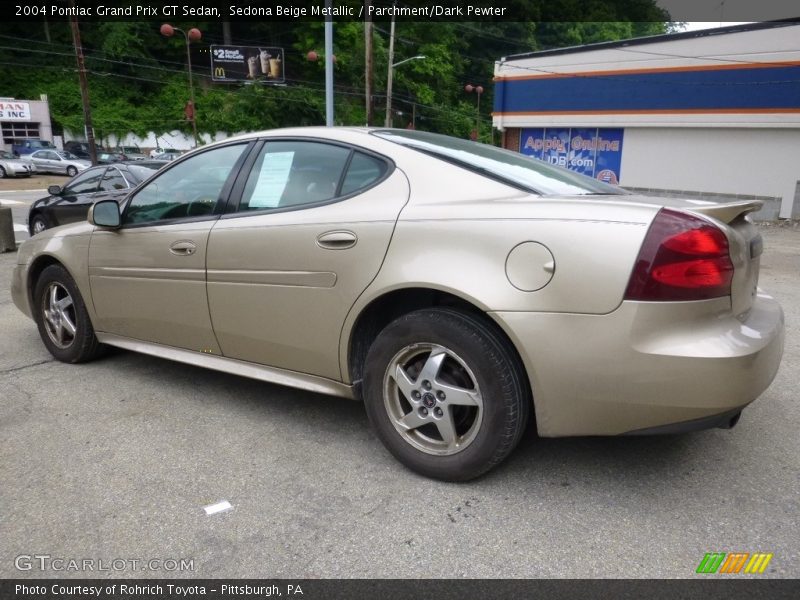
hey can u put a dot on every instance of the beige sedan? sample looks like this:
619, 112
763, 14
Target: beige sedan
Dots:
456, 288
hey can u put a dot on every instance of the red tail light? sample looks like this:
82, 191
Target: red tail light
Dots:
683, 257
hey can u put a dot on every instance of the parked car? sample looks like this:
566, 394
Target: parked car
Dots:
106, 157
71, 203
160, 151
168, 156
130, 152
79, 149
29, 145
57, 161
454, 287
10, 166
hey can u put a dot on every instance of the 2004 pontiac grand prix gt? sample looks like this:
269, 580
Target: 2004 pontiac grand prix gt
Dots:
453, 286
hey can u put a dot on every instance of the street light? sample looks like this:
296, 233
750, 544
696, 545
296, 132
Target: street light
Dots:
478, 89
389, 84
193, 35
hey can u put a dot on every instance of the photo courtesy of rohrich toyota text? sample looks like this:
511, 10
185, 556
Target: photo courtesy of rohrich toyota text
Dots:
342, 299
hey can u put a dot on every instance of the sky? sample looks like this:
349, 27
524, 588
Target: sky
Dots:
697, 25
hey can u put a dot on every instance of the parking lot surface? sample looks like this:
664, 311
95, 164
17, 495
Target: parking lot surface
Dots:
116, 459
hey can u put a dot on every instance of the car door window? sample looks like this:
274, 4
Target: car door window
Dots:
190, 189
363, 171
294, 173
112, 181
85, 183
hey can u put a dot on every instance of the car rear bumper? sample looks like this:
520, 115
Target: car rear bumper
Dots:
647, 365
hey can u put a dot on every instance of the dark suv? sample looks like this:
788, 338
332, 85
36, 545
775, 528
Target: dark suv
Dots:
79, 149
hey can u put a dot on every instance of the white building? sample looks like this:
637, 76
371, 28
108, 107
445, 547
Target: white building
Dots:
20, 119
711, 114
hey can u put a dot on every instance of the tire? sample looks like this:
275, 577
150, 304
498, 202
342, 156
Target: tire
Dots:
68, 334
72, 171
445, 393
38, 224
2, 173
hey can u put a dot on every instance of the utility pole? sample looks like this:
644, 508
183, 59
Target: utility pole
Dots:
328, 66
368, 60
388, 122
227, 38
87, 111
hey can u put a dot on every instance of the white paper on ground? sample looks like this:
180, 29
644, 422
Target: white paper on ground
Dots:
212, 509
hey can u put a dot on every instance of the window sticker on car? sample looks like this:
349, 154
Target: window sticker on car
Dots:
272, 179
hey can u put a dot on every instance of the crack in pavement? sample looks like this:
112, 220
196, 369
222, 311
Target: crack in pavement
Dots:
36, 364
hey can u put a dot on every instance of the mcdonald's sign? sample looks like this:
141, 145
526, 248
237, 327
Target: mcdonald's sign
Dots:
253, 64
734, 562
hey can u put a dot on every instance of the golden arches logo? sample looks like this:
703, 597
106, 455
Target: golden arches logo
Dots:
219, 72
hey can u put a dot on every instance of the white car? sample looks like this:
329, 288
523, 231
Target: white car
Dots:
57, 161
11, 166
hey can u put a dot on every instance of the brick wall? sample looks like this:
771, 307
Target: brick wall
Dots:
511, 139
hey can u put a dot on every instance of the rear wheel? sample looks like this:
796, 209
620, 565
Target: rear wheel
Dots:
60, 312
2, 172
445, 393
72, 171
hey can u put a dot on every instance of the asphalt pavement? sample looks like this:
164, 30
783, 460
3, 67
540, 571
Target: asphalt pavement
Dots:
117, 459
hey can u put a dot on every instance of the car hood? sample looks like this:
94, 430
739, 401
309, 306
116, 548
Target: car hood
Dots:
14, 161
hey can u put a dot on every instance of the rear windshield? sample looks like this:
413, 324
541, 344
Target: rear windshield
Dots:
515, 169
141, 172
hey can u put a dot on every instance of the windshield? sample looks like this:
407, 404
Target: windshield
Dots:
66, 155
41, 144
510, 167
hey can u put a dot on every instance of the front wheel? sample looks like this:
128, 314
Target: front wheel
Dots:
2, 173
61, 316
72, 171
445, 393
38, 224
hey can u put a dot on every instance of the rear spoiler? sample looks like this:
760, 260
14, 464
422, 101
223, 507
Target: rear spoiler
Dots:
727, 211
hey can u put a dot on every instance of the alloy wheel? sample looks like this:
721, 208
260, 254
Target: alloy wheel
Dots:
433, 399
58, 310
38, 226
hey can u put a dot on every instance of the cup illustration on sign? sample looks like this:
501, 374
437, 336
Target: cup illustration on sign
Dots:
264, 56
252, 67
275, 68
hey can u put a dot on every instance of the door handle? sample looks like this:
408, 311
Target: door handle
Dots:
183, 248
337, 240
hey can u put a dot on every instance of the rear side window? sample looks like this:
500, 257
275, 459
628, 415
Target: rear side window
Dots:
113, 180
85, 183
294, 173
363, 171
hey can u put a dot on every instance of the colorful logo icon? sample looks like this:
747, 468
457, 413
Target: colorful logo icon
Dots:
733, 562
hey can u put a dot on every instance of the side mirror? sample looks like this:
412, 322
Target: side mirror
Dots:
54, 190
105, 214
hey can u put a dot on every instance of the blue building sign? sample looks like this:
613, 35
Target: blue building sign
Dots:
590, 151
